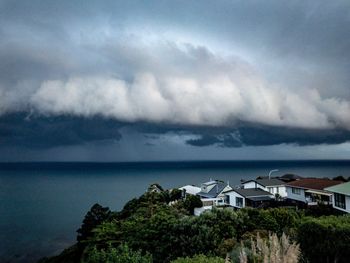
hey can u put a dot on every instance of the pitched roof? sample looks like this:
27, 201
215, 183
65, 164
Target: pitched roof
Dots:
313, 183
270, 182
215, 191
210, 182
191, 189
340, 188
251, 192
267, 182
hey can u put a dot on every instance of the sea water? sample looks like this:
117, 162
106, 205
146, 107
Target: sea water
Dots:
43, 204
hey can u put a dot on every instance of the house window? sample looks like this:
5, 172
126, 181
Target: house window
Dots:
227, 199
269, 189
278, 190
339, 200
296, 191
239, 201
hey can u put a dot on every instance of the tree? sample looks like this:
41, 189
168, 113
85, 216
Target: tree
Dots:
340, 178
96, 216
325, 239
191, 202
122, 254
199, 259
175, 194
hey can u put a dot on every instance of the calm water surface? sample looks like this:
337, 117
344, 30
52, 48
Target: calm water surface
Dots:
42, 204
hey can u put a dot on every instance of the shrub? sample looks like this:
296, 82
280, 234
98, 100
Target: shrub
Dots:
325, 239
199, 259
122, 254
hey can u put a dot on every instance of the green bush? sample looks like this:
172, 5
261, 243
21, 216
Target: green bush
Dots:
325, 239
122, 254
199, 259
96, 216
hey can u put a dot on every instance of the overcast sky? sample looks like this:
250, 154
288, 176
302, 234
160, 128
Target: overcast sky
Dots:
174, 80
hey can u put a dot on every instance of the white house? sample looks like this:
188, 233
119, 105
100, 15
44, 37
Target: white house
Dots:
340, 196
273, 186
252, 197
190, 189
212, 193
311, 191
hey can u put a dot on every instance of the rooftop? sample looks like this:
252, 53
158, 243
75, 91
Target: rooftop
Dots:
191, 189
270, 182
340, 188
251, 192
215, 191
267, 182
314, 183
210, 182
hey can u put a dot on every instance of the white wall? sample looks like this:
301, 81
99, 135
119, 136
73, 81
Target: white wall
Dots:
250, 185
233, 196
199, 210
297, 197
347, 204
281, 190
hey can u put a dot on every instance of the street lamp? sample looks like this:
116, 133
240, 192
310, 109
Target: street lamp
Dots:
272, 171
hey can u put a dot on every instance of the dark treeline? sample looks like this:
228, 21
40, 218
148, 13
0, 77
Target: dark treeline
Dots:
148, 229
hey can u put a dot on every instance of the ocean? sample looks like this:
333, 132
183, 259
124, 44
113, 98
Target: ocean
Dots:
43, 204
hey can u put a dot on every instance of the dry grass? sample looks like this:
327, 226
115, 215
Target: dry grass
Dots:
271, 250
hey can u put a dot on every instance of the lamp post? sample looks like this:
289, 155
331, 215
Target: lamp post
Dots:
272, 171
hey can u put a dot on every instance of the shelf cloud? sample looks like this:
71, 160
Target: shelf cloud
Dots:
204, 89
228, 74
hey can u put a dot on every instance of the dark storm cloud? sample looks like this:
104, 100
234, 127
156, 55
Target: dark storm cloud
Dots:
232, 73
263, 136
23, 130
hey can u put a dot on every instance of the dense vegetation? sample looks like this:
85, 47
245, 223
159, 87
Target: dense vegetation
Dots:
148, 229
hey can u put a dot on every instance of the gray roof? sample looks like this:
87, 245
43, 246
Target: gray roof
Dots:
251, 192
260, 198
268, 182
210, 182
215, 191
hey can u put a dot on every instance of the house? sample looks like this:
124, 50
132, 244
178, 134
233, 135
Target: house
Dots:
212, 193
251, 197
272, 185
190, 190
155, 188
340, 196
310, 191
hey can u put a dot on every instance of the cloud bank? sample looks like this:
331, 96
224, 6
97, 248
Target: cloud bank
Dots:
203, 89
230, 74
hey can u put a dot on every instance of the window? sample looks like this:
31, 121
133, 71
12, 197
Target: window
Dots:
277, 190
239, 201
339, 200
296, 191
227, 199
208, 203
269, 189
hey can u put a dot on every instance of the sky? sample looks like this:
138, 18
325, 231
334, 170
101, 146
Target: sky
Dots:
174, 80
